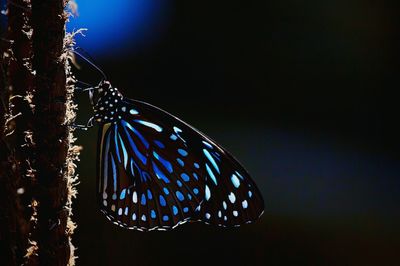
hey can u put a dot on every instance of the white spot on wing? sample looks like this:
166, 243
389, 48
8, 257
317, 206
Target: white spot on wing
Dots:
208, 193
232, 197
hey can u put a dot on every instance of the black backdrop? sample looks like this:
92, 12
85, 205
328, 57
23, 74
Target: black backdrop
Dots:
302, 92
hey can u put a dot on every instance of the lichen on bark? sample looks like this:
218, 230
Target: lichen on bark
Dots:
37, 154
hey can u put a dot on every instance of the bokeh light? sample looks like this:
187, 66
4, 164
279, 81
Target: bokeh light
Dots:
115, 27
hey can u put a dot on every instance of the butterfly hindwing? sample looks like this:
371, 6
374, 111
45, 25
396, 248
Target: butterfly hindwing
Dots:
156, 172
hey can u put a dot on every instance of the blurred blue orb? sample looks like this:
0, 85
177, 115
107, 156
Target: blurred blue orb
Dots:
119, 26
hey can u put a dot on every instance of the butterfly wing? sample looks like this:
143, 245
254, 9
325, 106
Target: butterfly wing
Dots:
156, 172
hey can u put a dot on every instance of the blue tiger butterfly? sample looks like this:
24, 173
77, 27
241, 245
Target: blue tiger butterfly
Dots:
155, 172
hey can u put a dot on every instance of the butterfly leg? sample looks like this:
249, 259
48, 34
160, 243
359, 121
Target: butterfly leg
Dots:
88, 125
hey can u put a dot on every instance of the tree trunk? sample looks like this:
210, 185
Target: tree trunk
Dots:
36, 151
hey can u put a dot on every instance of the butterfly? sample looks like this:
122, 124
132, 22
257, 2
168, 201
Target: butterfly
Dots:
155, 172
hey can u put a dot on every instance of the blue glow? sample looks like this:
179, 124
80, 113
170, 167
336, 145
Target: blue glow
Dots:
185, 177
117, 26
153, 214
211, 174
175, 210
149, 195
180, 196
135, 149
159, 144
196, 191
162, 200
165, 218
186, 209
180, 162
166, 191
149, 124
211, 159
182, 152
159, 173
164, 162
143, 200
235, 181
137, 133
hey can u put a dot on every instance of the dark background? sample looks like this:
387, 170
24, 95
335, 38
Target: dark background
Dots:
301, 92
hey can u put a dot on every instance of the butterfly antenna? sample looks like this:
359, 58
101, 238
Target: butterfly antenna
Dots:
83, 83
89, 62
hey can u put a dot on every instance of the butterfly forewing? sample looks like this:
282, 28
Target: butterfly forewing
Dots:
156, 172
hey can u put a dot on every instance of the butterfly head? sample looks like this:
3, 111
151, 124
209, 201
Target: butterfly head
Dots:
106, 101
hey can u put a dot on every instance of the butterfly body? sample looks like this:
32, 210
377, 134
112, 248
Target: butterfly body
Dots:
156, 172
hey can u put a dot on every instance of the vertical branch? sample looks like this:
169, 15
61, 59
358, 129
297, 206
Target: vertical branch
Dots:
15, 86
52, 138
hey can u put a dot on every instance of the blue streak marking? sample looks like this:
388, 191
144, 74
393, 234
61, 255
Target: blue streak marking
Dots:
122, 195
175, 210
189, 196
166, 191
241, 177
235, 181
164, 162
180, 195
173, 137
153, 214
186, 209
195, 176
116, 143
149, 124
196, 165
162, 201
159, 144
181, 163
149, 195
185, 177
165, 218
211, 159
179, 183
196, 191
143, 200
207, 144
135, 149
159, 173
114, 173
123, 151
133, 173
106, 163
182, 152
137, 133
211, 174
177, 129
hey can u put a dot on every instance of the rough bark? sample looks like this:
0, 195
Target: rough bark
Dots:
50, 132
36, 151
15, 109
